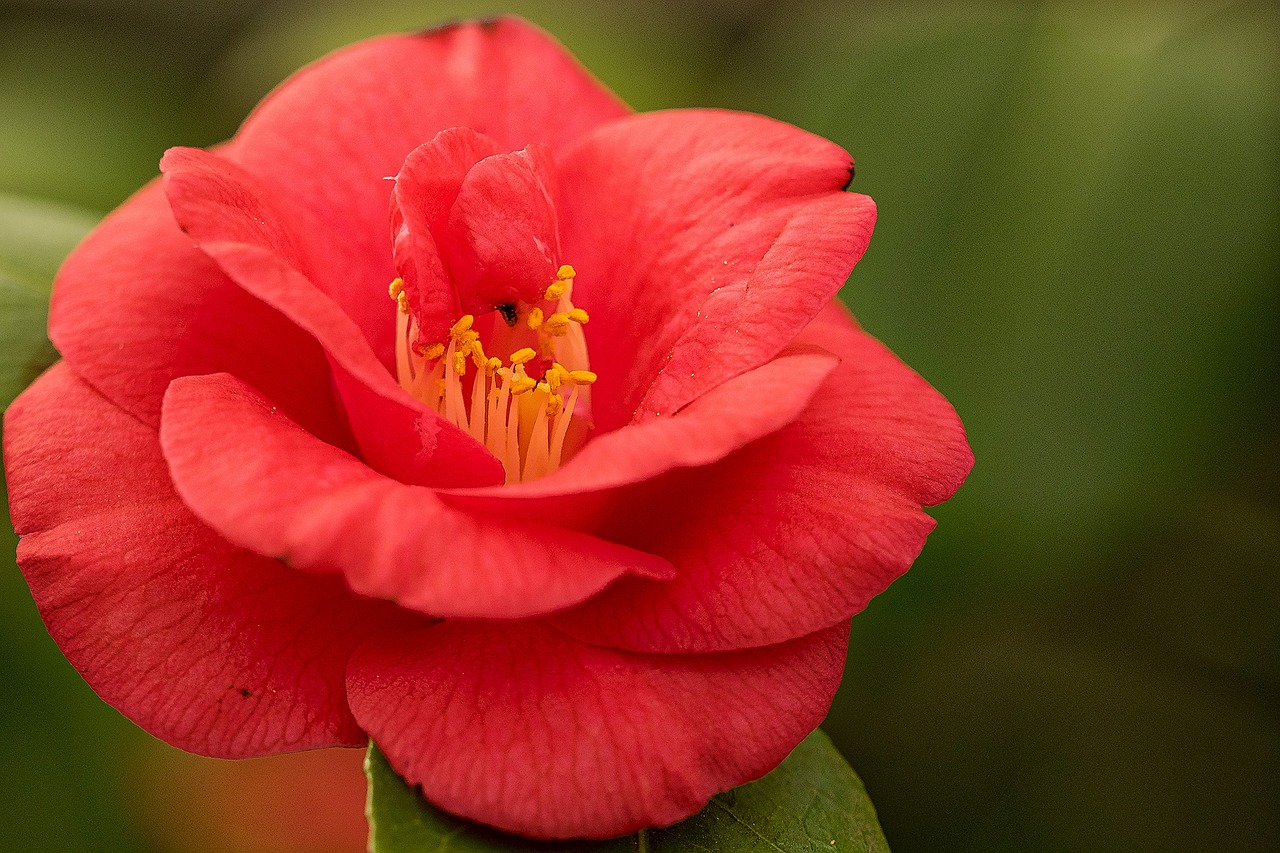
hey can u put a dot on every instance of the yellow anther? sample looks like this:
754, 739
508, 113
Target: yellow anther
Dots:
491, 366
555, 291
440, 386
535, 318
460, 363
463, 325
582, 377
432, 351
557, 324
565, 273
522, 356
521, 385
555, 376
554, 403
398, 295
476, 350
579, 316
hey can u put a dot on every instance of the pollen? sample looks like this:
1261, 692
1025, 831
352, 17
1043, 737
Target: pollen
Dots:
396, 290
532, 410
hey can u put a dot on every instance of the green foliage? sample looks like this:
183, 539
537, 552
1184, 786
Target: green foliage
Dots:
812, 802
34, 238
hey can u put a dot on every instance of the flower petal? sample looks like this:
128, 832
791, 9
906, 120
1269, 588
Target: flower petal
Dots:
267, 485
798, 530
136, 305
206, 646
234, 221
474, 228
523, 728
704, 242
425, 189
710, 428
362, 110
507, 245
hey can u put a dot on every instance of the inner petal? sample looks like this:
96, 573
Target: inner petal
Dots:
487, 332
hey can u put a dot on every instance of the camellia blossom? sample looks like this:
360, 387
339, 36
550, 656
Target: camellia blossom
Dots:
453, 405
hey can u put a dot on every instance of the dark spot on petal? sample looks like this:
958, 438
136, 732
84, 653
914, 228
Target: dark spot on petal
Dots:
509, 314
449, 26
245, 692
440, 29
852, 172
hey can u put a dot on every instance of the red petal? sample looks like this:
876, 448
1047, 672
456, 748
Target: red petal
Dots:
525, 729
727, 418
208, 647
425, 190
233, 219
267, 485
704, 243
136, 305
798, 530
472, 220
507, 246
331, 134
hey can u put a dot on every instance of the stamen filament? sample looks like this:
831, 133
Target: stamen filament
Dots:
522, 420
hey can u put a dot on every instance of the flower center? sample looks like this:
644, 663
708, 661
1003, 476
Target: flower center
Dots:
532, 410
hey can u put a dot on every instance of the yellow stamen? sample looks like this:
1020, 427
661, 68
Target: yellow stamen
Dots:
478, 357
530, 424
398, 295
521, 385
557, 324
555, 376
463, 325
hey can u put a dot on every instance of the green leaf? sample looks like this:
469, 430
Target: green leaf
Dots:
812, 802
34, 238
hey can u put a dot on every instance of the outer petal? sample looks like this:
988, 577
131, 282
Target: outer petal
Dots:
232, 218
362, 110
267, 485
211, 648
520, 727
705, 242
798, 530
136, 305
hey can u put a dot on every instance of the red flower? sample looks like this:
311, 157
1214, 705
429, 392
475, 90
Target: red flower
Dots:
266, 508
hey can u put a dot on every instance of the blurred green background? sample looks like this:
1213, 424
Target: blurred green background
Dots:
1077, 244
